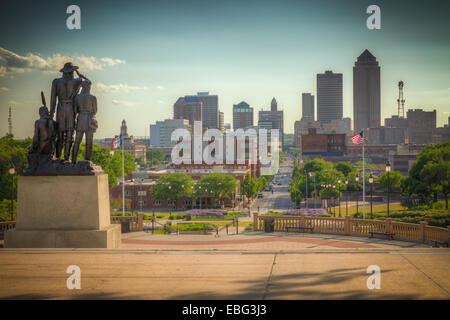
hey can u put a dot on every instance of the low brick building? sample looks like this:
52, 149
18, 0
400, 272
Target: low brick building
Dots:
326, 144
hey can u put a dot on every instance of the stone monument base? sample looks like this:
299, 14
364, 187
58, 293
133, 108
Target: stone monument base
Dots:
63, 212
106, 238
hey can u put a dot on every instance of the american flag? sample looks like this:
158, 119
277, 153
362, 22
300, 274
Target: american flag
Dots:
358, 138
116, 142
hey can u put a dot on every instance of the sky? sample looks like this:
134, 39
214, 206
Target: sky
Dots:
142, 55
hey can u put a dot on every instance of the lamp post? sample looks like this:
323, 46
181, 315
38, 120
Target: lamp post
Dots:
334, 202
371, 193
306, 197
388, 169
12, 171
311, 174
346, 198
357, 184
339, 195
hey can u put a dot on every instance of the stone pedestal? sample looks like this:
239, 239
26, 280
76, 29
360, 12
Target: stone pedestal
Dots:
63, 212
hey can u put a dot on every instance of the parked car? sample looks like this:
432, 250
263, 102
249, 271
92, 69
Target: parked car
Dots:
260, 195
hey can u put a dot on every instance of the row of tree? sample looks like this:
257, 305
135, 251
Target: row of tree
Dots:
428, 177
217, 186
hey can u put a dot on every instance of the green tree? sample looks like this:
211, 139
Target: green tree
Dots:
249, 187
344, 167
172, 187
155, 157
219, 186
430, 174
395, 180
11, 152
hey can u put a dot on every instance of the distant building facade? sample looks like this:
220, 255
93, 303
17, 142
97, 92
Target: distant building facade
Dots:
161, 132
329, 96
242, 115
275, 118
323, 144
221, 122
402, 162
189, 108
308, 106
441, 135
386, 135
420, 126
366, 92
210, 110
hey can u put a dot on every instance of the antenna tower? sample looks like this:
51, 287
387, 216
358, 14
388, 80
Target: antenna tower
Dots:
400, 100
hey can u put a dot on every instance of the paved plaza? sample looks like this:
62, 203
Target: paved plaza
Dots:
247, 266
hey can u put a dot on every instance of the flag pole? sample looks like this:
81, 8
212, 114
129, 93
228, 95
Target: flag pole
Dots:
123, 181
364, 179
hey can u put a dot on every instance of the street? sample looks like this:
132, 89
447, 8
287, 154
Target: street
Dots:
280, 198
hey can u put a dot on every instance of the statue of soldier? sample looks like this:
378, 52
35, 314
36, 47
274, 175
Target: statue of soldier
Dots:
64, 90
43, 145
85, 110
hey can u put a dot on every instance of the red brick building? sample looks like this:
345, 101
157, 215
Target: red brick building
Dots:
326, 144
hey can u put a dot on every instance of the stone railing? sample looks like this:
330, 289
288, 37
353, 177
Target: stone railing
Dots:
6, 225
356, 227
136, 222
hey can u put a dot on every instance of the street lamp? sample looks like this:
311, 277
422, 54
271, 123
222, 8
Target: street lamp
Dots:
311, 174
346, 198
12, 171
357, 185
371, 193
334, 202
388, 169
339, 195
306, 197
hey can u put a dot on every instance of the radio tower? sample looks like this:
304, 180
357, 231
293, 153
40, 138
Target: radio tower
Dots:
401, 101
10, 127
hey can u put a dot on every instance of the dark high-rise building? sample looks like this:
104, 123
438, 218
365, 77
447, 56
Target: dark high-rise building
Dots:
210, 110
307, 106
242, 115
329, 96
366, 92
274, 105
189, 108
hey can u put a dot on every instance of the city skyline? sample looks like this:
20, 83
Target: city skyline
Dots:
290, 46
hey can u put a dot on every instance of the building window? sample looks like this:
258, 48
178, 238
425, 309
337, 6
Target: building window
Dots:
156, 202
142, 193
128, 193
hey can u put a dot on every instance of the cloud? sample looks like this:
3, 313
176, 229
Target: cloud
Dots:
12, 63
118, 87
14, 102
160, 87
4, 89
123, 103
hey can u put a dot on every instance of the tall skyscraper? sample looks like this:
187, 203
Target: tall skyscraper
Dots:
189, 108
329, 96
366, 92
242, 115
307, 106
210, 110
274, 105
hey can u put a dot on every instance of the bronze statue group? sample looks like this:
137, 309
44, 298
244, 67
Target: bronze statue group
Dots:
75, 111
